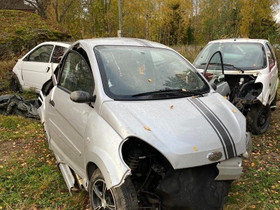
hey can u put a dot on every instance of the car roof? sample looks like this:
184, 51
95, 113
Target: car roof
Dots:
117, 41
240, 40
62, 44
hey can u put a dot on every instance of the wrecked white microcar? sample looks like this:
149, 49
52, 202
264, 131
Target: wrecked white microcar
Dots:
133, 123
244, 70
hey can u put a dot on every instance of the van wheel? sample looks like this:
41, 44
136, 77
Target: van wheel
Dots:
15, 84
119, 198
258, 119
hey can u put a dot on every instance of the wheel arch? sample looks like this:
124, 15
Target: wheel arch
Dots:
134, 143
114, 173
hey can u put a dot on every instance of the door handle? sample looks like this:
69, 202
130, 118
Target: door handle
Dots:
52, 102
48, 69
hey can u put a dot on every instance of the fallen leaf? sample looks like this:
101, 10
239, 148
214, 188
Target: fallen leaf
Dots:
150, 80
194, 148
43, 187
171, 107
252, 164
147, 128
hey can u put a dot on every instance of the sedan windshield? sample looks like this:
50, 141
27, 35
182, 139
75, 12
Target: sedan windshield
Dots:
240, 56
139, 73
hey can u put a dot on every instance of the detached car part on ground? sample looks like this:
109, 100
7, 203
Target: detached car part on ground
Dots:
16, 105
132, 122
244, 70
33, 70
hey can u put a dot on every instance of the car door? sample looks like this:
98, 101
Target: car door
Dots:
67, 120
273, 70
214, 73
36, 65
57, 54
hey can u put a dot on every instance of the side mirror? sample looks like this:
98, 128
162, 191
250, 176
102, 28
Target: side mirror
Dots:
213, 85
82, 97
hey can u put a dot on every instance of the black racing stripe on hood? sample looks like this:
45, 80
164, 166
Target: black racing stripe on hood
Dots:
213, 126
218, 126
225, 128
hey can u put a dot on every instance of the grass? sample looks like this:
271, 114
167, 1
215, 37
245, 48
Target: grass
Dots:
29, 178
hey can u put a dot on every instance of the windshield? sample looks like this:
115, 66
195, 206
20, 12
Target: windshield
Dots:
136, 73
245, 56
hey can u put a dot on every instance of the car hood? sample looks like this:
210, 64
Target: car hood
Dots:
184, 130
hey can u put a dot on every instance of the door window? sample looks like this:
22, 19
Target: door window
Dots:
214, 71
57, 54
271, 59
41, 54
76, 74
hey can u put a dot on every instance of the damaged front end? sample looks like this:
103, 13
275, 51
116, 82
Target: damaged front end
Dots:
159, 186
245, 91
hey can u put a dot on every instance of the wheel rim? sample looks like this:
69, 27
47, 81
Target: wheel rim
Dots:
262, 119
101, 197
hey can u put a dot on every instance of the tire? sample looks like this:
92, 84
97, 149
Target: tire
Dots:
15, 84
120, 198
193, 189
258, 119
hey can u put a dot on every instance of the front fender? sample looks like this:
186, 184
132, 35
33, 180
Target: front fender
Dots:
102, 147
264, 78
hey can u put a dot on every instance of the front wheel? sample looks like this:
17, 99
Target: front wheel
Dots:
258, 119
120, 198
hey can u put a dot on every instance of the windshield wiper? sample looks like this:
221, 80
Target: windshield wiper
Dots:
169, 91
218, 64
231, 65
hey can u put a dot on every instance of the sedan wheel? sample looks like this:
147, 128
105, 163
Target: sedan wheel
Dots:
258, 119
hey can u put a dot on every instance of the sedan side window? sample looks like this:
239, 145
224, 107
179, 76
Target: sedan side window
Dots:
270, 56
42, 54
57, 54
76, 74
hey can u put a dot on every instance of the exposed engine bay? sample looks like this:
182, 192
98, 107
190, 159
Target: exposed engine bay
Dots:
158, 186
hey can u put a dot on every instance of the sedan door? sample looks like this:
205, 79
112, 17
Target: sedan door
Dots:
36, 65
66, 119
214, 73
273, 70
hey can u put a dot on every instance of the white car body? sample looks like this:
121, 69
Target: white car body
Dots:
249, 77
267, 76
33, 73
183, 132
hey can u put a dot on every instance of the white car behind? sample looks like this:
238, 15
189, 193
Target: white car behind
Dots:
246, 71
34, 69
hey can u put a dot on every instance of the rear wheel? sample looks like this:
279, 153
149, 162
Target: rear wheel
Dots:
120, 198
258, 119
15, 84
